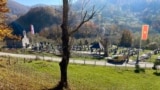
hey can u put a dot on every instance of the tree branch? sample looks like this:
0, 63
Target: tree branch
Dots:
84, 20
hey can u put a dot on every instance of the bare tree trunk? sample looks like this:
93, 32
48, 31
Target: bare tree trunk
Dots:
63, 84
65, 48
65, 58
106, 51
105, 43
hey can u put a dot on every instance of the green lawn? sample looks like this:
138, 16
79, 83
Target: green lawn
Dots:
111, 78
38, 75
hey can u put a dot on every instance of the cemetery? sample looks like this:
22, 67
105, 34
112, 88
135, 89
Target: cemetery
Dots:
95, 51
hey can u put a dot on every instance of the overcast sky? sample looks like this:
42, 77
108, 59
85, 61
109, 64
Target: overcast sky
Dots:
34, 2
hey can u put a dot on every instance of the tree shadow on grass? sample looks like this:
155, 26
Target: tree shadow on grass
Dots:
59, 86
55, 88
156, 73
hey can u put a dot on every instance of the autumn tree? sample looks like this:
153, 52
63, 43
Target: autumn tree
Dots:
126, 39
5, 31
53, 32
65, 42
87, 30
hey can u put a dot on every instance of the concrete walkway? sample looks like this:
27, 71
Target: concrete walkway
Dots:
88, 62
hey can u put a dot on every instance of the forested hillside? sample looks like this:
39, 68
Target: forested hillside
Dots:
116, 14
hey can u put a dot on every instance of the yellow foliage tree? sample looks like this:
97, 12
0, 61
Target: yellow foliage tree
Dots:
5, 31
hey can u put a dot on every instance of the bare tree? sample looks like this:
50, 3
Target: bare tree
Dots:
65, 42
105, 42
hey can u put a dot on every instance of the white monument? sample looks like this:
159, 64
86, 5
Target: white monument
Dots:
25, 40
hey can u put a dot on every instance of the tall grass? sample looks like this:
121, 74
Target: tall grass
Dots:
37, 75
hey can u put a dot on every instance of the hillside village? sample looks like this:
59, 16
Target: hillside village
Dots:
120, 36
111, 25
111, 22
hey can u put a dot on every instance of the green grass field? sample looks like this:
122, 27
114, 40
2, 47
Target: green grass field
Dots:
38, 75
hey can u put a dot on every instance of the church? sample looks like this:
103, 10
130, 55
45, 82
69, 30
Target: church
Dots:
14, 43
25, 40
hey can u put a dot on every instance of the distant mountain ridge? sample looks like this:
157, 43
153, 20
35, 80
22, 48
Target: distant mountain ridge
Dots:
127, 14
17, 8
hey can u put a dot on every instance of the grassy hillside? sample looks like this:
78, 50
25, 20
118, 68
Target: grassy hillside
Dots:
38, 75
